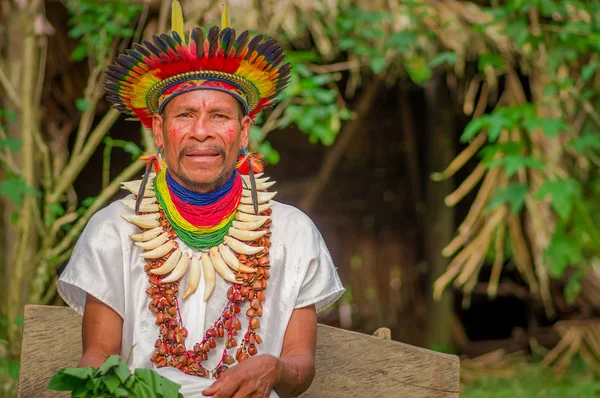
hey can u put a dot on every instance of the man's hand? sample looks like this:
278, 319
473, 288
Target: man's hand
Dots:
290, 375
255, 377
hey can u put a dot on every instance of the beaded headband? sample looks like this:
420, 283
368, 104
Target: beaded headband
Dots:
142, 81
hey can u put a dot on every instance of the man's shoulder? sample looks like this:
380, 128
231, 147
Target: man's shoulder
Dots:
285, 215
110, 216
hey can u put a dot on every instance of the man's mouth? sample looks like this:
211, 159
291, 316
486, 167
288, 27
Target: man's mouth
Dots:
207, 153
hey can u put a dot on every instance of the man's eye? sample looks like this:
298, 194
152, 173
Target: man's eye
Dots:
184, 114
220, 116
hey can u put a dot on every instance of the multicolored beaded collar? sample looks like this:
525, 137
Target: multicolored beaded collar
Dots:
239, 257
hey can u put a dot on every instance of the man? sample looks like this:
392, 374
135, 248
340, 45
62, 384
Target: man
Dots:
253, 273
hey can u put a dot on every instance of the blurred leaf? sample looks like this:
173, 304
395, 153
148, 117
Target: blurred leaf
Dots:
562, 193
549, 126
15, 189
418, 69
562, 251
514, 163
271, 155
378, 64
82, 105
514, 194
573, 286
446, 57
12, 144
586, 141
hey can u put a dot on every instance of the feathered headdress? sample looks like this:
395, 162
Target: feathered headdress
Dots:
143, 80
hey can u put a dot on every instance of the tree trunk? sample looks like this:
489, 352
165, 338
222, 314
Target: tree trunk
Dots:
439, 219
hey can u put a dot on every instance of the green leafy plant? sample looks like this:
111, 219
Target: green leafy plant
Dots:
113, 379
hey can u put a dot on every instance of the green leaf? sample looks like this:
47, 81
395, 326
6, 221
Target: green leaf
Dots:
82, 105
271, 155
473, 128
514, 194
586, 141
15, 188
69, 379
112, 382
378, 64
514, 163
87, 202
588, 71
418, 69
13, 369
549, 126
446, 57
161, 386
492, 60
573, 286
562, 251
562, 193
12, 144
117, 365
402, 41
132, 149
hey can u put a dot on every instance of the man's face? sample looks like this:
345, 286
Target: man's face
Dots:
202, 133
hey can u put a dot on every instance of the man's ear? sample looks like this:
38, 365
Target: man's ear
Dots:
245, 130
157, 130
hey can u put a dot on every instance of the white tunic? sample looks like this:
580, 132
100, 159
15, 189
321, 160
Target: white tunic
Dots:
106, 264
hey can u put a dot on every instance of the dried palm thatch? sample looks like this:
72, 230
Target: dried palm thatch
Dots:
577, 337
493, 364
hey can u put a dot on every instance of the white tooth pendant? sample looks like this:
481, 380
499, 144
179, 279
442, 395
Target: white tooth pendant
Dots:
147, 235
231, 260
242, 248
250, 209
154, 243
193, 277
250, 217
263, 197
260, 186
168, 265
220, 266
144, 221
209, 276
179, 269
246, 236
247, 225
246, 177
160, 251
134, 188
131, 202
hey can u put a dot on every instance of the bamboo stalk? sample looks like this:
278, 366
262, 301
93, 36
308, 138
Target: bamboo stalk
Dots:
498, 262
100, 201
461, 159
9, 89
467, 186
482, 243
28, 126
87, 117
77, 163
485, 191
521, 253
562, 345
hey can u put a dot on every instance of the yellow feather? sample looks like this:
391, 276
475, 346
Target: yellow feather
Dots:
225, 21
177, 18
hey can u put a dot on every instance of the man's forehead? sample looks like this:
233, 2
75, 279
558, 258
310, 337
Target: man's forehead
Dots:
204, 100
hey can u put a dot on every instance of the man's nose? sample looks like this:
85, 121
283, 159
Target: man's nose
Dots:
202, 130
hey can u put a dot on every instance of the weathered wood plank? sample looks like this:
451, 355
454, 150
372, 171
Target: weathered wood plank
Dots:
51, 341
348, 363
354, 364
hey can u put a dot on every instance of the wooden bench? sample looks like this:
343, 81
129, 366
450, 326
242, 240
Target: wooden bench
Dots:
348, 364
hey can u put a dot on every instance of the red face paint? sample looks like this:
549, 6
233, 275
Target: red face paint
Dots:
229, 134
173, 132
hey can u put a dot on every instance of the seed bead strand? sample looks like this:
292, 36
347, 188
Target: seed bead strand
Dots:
171, 347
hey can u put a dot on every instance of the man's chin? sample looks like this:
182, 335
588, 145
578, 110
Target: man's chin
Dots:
202, 182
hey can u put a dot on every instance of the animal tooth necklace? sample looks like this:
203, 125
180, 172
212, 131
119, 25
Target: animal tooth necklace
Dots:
238, 252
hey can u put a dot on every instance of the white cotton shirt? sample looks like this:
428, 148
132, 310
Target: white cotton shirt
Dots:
106, 264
